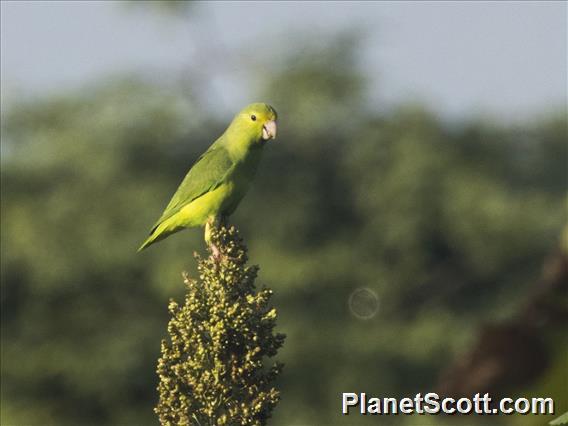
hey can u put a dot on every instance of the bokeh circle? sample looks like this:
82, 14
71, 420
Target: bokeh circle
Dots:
363, 303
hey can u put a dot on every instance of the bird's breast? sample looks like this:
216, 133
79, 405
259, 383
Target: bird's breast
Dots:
238, 182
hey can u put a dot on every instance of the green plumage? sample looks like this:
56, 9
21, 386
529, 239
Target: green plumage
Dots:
219, 179
208, 172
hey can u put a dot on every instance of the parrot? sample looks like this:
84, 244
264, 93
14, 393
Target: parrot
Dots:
219, 179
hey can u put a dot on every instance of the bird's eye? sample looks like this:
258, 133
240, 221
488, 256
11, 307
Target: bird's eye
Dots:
253, 117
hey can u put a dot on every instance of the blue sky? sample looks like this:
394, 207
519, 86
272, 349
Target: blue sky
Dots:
508, 59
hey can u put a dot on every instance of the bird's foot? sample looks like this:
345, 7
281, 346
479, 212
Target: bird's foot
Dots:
218, 256
215, 252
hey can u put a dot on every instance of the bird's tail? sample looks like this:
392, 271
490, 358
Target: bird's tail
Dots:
149, 241
154, 237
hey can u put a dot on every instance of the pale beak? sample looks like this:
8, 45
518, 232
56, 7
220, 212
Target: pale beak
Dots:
269, 130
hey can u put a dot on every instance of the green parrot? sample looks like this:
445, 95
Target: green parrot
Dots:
219, 179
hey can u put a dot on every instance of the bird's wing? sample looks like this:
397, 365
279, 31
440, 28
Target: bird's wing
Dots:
208, 172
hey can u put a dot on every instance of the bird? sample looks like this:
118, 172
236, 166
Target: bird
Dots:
219, 179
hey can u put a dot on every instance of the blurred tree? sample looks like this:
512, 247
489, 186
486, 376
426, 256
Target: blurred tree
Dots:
167, 8
447, 223
78, 307
509, 355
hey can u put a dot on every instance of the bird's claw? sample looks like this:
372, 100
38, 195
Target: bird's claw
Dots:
215, 252
217, 256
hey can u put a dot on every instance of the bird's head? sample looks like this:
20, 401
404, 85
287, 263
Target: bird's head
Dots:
257, 120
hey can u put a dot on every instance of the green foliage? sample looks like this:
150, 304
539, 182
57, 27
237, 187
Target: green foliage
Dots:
562, 420
212, 369
448, 223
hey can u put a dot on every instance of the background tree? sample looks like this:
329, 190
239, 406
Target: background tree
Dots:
447, 223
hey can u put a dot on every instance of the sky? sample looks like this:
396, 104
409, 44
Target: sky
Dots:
508, 59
